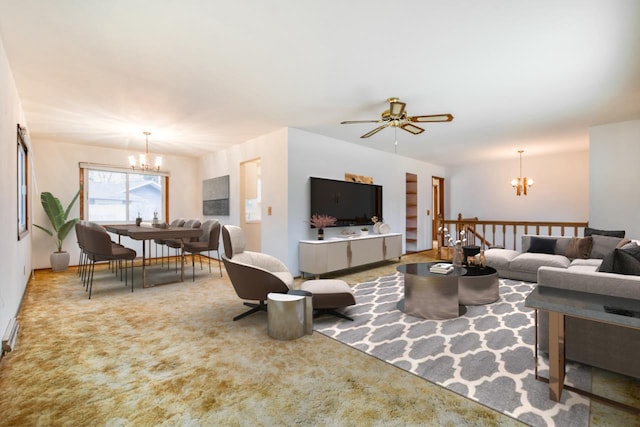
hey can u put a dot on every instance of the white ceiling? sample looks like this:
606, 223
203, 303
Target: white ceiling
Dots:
204, 74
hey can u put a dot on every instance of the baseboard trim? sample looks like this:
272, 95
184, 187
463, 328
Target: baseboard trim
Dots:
10, 336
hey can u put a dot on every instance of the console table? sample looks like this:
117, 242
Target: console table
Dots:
622, 312
323, 256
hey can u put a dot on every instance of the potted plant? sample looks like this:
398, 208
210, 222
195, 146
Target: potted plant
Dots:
61, 227
320, 222
364, 231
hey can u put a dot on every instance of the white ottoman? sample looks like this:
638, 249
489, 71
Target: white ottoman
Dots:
329, 294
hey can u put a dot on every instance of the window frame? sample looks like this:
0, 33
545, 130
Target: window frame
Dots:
84, 169
22, 185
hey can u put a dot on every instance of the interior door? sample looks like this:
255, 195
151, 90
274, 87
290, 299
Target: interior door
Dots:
251, 204
438, 206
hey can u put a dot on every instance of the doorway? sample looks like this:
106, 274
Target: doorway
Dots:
251, 203
411, 213
438, 206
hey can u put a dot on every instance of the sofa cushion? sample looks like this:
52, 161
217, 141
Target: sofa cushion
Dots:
542, 245
530, 261
622, 261
591, 262
602, 245
583, 268
588, 231
579, 247
499, 258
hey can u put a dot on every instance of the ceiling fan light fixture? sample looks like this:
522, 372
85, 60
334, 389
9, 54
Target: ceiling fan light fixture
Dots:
396, 117
396, 109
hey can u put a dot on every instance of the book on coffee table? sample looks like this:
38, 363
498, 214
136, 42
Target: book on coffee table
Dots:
441, 268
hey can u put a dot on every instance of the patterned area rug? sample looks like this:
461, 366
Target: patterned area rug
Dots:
486, 355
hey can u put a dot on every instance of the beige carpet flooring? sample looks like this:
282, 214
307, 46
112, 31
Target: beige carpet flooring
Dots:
171, 355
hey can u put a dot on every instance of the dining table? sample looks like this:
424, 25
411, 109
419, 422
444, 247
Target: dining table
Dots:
149, 233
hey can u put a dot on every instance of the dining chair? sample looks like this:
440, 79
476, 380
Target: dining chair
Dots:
179, 222
99, 247
177, 243
208, 241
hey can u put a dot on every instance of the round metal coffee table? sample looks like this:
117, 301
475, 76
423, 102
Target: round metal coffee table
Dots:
430, 295
478, 286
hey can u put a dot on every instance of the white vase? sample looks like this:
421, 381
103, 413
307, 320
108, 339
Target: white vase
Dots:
376, 227
457, 256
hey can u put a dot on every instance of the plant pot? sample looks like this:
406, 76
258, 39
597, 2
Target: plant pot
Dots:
59, 261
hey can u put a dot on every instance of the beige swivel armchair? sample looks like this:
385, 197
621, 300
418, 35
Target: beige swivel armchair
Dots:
253, 274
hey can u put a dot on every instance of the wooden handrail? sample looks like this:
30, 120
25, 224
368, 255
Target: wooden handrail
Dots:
476, 230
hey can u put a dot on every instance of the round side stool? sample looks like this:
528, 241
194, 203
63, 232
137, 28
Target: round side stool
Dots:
286, 316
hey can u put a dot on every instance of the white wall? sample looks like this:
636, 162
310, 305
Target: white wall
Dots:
312, 155
272, 149
56, 169
615, 174
289, 158
560, 191
15, 262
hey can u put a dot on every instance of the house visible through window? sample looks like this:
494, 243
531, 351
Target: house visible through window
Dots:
23, 188
114, 195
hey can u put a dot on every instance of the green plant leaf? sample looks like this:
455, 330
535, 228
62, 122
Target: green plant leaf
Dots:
53, 208
49, 232
66, 212
58, 217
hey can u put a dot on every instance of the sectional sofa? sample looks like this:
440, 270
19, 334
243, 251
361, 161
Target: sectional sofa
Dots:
589, 264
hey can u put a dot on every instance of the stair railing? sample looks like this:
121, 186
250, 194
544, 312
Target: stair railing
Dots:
501, 233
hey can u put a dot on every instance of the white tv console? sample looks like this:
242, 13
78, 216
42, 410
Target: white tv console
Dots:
323, 256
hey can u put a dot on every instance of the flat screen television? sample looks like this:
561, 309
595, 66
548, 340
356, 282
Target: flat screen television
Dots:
351, 203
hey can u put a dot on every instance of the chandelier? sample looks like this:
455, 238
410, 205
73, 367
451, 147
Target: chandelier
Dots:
144, 161
521, 183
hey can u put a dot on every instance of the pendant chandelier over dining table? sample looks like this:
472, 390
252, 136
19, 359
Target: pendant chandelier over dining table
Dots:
521, 183
144, 161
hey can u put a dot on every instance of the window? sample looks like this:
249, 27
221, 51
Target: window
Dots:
117, 195
23, 187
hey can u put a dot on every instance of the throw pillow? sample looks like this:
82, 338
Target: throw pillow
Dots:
542, 246
623, 243
606, 266
602, 245
622, 261
579, 247
588, 231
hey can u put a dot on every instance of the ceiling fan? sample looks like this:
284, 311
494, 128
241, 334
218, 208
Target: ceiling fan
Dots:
396, 116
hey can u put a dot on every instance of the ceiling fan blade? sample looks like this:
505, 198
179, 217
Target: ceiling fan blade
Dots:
411, 128
348, 122
376, 130
432, 118
396, 109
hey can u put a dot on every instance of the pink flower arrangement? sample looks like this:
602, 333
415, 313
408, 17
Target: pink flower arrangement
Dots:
322, 221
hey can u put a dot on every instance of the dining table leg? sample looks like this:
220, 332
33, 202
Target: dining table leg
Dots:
144, 270
181, 260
